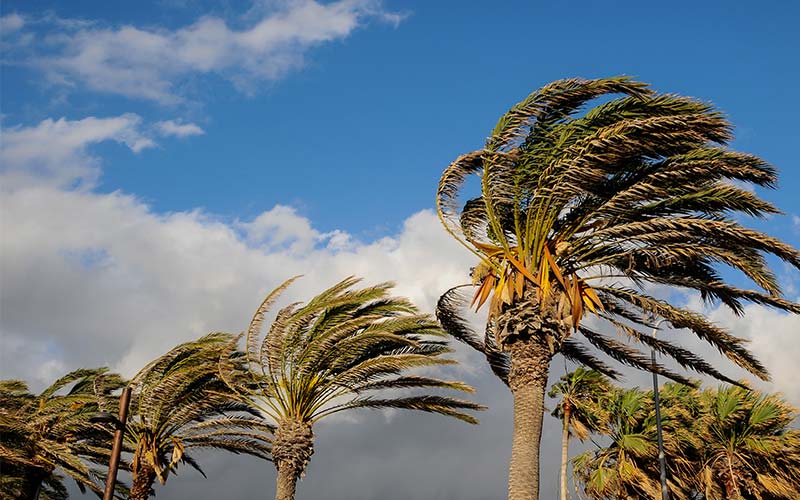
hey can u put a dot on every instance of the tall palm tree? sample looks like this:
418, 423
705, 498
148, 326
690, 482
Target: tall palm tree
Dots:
576, 209
43, 433
179, 404
580, 409
345, 349
749, 449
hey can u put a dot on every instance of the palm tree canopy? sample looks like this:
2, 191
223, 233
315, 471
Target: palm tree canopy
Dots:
179, 403
725, 443
748, 442
337, 351
582, 391
579, 207
49, 431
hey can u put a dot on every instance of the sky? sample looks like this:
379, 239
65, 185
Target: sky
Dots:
164, 164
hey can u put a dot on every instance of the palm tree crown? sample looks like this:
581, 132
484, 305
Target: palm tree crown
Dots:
577, 209
726, 443
749, 448
580, 409
179, 404
49, 431
333, 354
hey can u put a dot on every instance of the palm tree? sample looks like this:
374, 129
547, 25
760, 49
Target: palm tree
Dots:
576, 210
179, 404
726, 443
616, 471
43, 433
345, 349
749, 450
580, 409
628, 466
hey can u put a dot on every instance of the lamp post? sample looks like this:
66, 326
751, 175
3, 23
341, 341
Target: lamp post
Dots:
119, 433
662, 459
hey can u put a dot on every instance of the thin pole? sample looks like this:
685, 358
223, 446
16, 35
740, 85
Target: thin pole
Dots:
662, 458
116, 450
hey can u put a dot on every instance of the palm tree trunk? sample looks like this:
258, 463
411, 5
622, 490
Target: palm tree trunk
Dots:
142, 486
530, 362
291, 450
565, 450
287, 481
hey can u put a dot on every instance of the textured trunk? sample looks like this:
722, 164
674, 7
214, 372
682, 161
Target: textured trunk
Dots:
287, 481
291, 450
528, 380
731, 488
565, 450
143, 478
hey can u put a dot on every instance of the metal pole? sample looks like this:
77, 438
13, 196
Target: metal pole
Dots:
116, 450
662, 459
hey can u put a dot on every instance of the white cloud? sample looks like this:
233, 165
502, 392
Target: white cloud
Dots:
172, 128
773, 337
149, 63
55, 152
11, 23
100, 279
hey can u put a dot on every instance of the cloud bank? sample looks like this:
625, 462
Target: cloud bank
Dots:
152, 63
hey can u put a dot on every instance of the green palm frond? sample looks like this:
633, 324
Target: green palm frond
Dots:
45, 435
180, 402
319, 358
448, 312
580, 207
729, 442
345, 349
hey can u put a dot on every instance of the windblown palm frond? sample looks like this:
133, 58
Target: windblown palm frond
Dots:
43, 434
628, 467
180, 404
345, 349
580, 409
750, 450
726, 443
578, 208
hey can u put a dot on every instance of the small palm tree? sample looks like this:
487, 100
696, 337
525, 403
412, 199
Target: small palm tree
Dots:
43, 433
575, 209
617, 471
334, 354
749, 449
580, 409
179, 404
727, 443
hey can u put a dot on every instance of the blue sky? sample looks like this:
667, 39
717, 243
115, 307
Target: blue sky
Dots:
357, 135
164, 164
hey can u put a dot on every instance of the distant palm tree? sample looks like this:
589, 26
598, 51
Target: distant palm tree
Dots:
749, 449
617, 471
574, 209
43, 433
332, 355
580, 409
722, 444
179, 404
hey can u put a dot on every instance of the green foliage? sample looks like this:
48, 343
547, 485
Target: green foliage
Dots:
582, 393
335, 352
726, 443
47, 433
578, 206
180, 404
